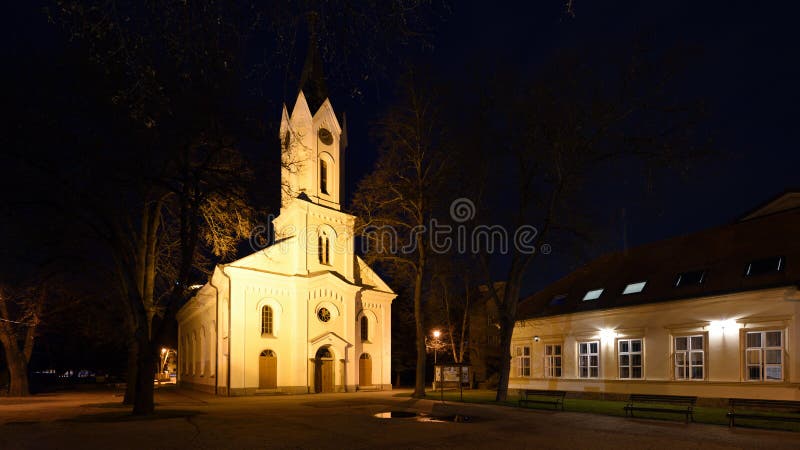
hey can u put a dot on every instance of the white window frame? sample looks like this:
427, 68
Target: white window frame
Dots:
684, 371
585, 354
554, 361
267, 327
761, 352
522, 356
630, 354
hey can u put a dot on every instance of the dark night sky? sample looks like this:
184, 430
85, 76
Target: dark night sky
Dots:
748, 74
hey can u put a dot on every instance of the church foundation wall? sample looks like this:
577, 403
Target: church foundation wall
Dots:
197, 387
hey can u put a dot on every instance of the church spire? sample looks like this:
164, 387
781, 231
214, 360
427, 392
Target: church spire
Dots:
312, 79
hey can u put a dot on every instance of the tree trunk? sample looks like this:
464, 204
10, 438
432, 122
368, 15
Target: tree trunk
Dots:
145, 371
419, 382
507, 329
508, 316
18, 371
133, 361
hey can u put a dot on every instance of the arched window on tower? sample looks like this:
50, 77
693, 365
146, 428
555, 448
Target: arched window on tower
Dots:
364, 328
323, 248
266, 320
323, 176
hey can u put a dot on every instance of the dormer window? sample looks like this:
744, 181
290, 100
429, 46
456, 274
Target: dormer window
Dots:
323, 248
593, 295
691, 278
764, 266
634, 288
323, 176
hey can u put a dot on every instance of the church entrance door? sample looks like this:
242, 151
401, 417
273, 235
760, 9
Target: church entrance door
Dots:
267, 370
365, 370
323, 371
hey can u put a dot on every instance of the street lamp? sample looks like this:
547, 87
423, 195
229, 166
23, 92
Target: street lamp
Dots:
436, 334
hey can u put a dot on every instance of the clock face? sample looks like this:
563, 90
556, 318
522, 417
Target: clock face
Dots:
325, 136
324, 315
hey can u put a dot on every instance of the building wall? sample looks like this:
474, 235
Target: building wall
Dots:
723, 321
297, 332
197, 343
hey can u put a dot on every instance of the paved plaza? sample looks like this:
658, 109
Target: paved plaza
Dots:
193, 420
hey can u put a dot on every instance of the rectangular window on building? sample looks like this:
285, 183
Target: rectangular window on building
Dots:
690, 278
690, 357
522, 355
764, 356
630, 358
552, 360
589, 359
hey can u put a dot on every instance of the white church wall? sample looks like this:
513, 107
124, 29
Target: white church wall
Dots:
196, 338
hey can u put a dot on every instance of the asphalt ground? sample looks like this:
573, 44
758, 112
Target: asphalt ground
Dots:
193, 420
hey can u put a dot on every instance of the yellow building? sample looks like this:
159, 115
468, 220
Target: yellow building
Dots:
711, 314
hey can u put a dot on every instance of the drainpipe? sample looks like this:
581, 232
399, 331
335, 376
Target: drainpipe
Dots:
308, 387
228, 374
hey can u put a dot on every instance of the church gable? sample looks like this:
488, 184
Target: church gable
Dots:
367, 277
277, 258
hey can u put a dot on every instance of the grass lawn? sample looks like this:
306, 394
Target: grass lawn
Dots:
715, 416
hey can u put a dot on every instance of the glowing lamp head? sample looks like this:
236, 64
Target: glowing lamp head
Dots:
718, 325
436, 333
607, 333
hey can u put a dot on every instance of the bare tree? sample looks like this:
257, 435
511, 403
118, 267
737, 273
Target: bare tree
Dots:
396, 202
20, 314
553, 136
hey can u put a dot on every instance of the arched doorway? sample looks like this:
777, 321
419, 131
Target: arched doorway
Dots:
365, 370
323, 370
267, 370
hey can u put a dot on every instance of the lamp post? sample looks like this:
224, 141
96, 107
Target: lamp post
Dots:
436, 334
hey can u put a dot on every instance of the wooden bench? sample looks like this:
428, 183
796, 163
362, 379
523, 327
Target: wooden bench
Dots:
769, 410
555, 398
677, 404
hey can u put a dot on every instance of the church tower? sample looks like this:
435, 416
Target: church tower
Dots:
312, 139
313, 142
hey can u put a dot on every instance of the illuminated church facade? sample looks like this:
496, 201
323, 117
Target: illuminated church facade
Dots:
305, 314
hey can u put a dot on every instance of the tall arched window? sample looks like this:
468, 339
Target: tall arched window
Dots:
323, 248
364, 328
266, 320
323, 176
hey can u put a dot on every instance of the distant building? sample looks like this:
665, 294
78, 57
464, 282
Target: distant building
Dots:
305, 314
484, 336
710, 314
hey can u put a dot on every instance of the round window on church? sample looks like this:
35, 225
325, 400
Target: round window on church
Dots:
323, 314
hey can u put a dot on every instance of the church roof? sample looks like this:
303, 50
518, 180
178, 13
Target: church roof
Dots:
312, 78
757, 253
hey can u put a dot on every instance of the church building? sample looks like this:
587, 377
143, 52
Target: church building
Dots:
305, 314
